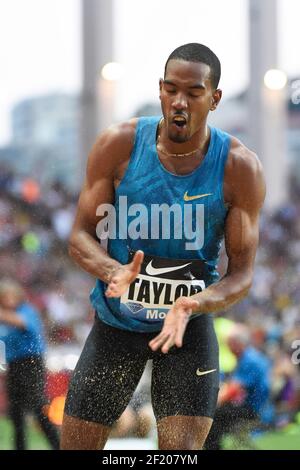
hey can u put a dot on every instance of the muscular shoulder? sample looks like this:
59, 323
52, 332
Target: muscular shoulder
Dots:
244, 180
112, 149
242, 162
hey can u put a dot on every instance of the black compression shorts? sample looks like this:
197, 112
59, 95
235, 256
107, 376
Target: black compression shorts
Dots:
184, 382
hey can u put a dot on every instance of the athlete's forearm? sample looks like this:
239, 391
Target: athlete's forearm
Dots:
225, 293
11, 318
90, 256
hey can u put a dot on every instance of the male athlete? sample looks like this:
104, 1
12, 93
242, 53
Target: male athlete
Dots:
165, 191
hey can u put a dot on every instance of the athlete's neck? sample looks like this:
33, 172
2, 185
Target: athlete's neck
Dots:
199, 141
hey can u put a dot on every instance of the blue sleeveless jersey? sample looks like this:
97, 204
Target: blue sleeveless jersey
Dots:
177, 220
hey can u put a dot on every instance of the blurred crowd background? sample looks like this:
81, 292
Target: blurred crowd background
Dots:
41, 167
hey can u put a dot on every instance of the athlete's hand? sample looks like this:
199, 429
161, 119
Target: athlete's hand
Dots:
174, 325
124, 276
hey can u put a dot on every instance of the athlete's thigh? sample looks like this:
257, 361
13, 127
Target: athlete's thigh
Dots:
105, 377
77, 434
183, 432
185, 382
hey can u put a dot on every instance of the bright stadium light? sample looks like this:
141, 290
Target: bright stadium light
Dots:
275, 79
112, 71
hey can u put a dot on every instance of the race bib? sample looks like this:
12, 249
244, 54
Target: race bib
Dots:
160, 282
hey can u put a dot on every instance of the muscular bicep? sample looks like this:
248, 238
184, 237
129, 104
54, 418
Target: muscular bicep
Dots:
241, 238
91, 198
98, 186
110, 153
242, 222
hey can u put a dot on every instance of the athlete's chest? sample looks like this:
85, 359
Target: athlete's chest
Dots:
176, 167
180, 166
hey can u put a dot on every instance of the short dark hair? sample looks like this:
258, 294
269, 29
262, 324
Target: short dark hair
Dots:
194, 52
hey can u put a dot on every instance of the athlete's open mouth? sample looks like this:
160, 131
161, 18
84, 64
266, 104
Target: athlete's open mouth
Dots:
179, 121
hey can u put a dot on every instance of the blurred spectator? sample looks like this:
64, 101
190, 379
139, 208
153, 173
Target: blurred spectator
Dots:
134, 422
22, 333
246, 395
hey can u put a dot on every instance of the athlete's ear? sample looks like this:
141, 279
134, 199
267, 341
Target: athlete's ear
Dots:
216, 98
161, 81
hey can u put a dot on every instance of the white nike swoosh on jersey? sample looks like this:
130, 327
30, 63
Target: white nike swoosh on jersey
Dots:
156, 271
199, 372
